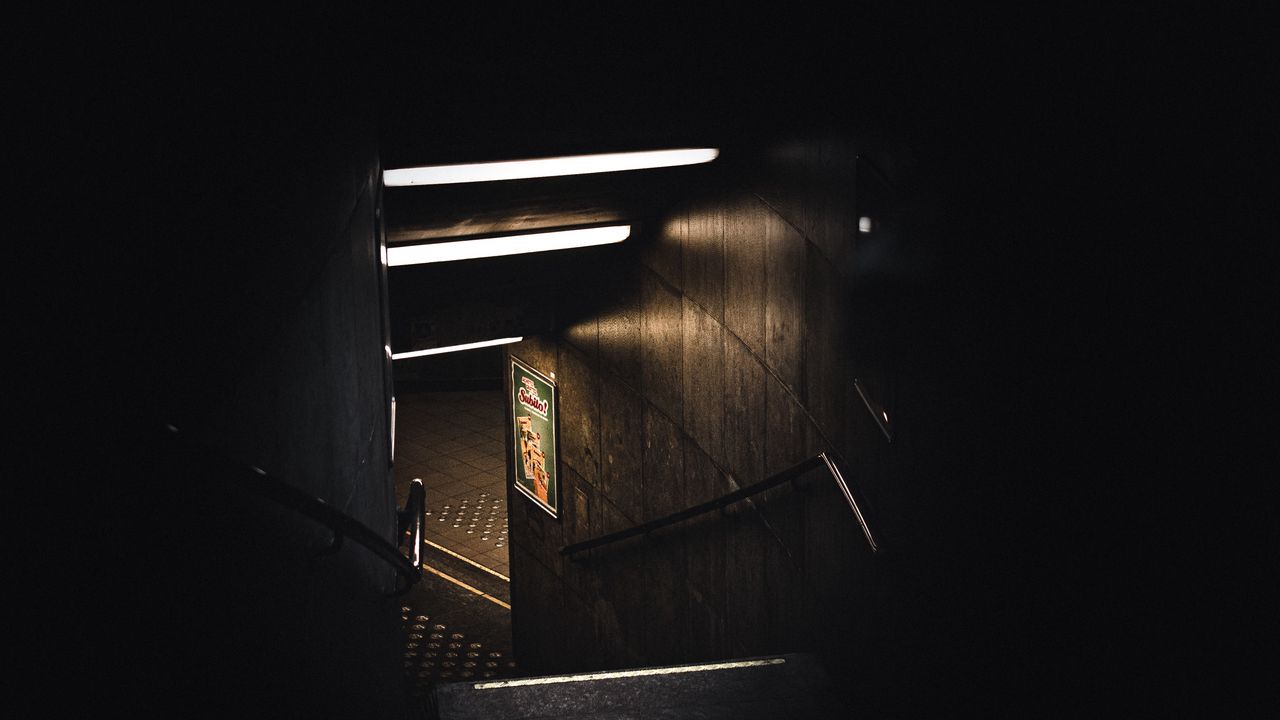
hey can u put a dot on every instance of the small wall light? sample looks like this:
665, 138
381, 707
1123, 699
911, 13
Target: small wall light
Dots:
879, 413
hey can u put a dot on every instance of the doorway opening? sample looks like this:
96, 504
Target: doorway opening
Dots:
450, 434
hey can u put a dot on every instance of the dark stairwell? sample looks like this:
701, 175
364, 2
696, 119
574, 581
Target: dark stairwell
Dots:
1005, 338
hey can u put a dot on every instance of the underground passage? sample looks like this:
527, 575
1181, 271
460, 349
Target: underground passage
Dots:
684, 368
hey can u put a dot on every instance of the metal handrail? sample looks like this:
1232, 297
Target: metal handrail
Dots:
411, 519
788, 475
408, 570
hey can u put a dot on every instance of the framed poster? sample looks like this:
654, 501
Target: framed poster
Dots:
534, 423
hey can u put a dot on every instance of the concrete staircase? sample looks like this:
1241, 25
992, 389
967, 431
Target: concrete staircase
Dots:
779, 686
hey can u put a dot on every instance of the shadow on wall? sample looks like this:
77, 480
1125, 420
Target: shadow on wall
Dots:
258, 307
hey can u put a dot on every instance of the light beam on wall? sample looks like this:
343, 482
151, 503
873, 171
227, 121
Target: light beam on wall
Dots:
455, 348
545, 167
506, 245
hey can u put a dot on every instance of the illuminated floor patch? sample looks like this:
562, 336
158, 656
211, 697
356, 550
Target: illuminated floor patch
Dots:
469, 561
465, 586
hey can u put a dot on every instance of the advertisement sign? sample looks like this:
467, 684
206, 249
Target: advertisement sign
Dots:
533, 420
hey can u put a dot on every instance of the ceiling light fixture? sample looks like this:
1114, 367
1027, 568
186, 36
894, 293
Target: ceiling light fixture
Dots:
455, 348
506, 245
545, 167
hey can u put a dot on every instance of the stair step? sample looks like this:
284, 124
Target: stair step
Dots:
792, 685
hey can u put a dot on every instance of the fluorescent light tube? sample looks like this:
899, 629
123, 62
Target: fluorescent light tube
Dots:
506, 245
545, 167
638, 672
456, 348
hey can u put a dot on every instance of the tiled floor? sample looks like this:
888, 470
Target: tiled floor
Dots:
451, 634
454, 442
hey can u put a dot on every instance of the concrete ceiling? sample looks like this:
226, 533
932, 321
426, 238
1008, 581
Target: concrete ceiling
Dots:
464, 89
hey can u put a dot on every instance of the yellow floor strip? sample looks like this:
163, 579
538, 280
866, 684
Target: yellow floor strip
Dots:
465, 586
467, 560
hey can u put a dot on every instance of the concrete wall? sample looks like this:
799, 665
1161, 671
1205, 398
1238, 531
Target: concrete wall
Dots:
259, 278
1025, 554
722, 351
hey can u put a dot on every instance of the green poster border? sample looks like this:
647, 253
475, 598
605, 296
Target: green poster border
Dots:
513, 431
